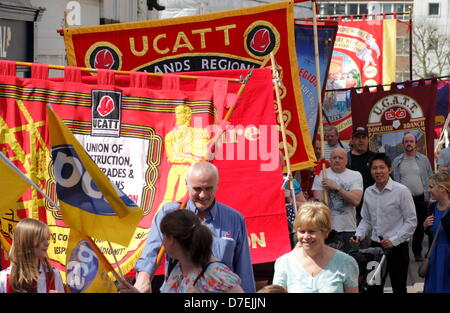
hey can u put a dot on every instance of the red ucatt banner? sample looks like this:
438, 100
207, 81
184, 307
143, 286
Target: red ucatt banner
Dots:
129, 125
235, 39
388, 115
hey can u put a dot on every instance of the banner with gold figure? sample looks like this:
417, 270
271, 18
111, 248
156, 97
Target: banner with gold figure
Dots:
144, 132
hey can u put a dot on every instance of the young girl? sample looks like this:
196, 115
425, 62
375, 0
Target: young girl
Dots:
30, 270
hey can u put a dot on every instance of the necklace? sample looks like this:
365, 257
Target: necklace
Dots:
442, 207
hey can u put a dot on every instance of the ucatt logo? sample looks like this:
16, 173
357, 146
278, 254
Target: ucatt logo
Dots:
106, 106
104, 58
392, 114
261, 39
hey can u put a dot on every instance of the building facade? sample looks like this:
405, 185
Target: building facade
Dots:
358, 7
17, 32
431, 44
48, 46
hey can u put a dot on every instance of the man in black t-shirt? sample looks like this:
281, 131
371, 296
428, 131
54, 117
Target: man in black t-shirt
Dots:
358, 160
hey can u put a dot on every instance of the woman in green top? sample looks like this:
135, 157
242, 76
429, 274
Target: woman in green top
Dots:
313, 266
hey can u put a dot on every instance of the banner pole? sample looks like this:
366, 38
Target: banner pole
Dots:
410, 44
319, 97
244, 82
277, 83
104, 260
115, 259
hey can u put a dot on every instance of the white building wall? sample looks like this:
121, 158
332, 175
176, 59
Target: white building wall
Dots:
441, 20
177, 8
442, 23
49, 45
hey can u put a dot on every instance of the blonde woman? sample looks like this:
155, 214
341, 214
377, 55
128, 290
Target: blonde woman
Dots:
438, 278
313, 266
30, 270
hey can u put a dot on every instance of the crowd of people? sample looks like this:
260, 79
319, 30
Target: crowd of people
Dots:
363, 201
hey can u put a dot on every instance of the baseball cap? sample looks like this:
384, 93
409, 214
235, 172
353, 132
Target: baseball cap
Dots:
360, 130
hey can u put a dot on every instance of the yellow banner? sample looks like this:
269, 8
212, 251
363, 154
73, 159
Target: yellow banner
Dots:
389, 50
85, 272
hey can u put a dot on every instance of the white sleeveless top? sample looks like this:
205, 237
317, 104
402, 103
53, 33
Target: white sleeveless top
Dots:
41, 283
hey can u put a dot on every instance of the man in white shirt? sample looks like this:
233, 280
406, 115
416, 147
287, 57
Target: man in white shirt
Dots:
388, 211
344, 188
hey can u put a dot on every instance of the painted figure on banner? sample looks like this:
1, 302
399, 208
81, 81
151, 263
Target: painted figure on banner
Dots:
184, 145
392, 143
365, 54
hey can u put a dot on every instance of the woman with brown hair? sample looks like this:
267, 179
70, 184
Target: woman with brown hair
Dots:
190, 243
30, 270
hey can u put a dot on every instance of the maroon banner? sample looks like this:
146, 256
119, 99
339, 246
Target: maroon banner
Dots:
388, 115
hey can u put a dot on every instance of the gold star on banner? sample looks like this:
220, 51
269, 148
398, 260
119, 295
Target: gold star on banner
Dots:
34, 162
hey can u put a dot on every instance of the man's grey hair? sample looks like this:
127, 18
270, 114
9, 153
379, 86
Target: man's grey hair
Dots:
202, 168
330, 128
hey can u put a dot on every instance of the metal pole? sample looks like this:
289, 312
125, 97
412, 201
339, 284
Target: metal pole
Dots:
410, 43
319, 96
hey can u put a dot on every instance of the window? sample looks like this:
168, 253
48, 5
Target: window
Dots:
363, 9
340, 9
327, 9
387, 8
402, 46
433, 8
353, 9
399, 7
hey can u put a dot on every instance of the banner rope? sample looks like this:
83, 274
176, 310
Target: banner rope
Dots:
353, 16
441, 78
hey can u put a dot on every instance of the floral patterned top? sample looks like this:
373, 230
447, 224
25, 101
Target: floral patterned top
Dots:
215, 279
